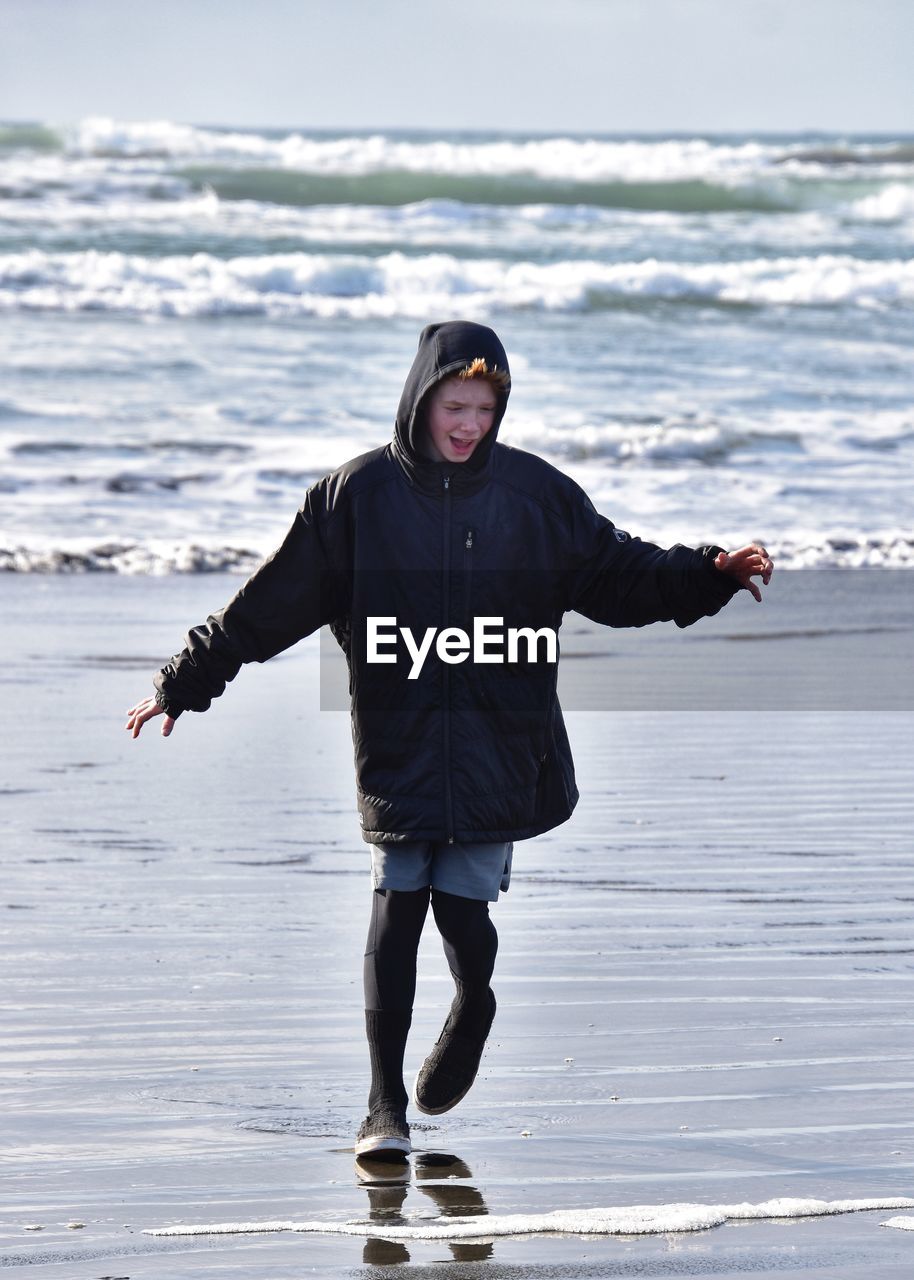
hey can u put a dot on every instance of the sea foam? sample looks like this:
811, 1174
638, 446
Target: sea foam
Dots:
894, 203
628, 1220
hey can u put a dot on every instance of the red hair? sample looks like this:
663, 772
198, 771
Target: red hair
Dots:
478, 369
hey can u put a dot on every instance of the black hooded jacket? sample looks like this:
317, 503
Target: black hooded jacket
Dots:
469, 750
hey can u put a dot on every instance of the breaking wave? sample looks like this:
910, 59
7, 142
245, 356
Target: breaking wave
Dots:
132, 558
579, 158
684, 174
397, 284
893, 550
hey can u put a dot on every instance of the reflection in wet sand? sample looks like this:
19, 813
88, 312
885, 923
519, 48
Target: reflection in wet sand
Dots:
439, 1176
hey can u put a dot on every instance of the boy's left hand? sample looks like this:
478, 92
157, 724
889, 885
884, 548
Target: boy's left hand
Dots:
747, 563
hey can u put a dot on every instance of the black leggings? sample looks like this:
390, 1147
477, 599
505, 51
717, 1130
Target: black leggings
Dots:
467, 933
470, 943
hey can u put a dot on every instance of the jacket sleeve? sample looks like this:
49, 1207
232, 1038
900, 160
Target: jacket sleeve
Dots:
294, 592
621, 581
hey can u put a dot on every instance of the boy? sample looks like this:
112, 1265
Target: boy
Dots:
459, 752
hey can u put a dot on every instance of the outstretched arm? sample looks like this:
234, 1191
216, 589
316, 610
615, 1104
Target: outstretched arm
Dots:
143, 711
749, 562
297, 589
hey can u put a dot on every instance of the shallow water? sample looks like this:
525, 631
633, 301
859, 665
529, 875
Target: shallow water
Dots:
704, 978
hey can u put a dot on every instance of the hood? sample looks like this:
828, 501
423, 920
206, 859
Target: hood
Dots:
445, 349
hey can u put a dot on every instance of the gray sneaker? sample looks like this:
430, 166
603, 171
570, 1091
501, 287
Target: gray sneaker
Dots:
384, 1135
448, 1072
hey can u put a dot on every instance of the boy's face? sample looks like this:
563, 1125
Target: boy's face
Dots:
460, 412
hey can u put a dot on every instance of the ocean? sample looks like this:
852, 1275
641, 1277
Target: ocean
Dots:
713, 335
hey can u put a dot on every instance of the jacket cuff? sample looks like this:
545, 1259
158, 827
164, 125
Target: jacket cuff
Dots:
724, 583
168, 707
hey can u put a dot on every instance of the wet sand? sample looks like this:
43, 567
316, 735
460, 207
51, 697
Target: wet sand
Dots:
704, 980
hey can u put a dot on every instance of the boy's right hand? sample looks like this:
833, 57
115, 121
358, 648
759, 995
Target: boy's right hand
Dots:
143, 711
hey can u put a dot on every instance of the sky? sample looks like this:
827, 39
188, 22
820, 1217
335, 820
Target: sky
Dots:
530, 65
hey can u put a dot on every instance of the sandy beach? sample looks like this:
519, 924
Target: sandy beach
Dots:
704, 979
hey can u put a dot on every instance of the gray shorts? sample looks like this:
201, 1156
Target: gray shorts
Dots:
467, 870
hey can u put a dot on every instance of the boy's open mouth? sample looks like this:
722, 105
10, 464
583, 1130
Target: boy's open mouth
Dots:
461, 446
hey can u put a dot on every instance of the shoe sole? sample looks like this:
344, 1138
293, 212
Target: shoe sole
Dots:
384, 1148
439, 1111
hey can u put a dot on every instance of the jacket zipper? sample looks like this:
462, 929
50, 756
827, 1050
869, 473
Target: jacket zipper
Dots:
445, 672
467, 572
